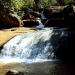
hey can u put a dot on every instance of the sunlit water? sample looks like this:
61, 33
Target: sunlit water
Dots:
38, 46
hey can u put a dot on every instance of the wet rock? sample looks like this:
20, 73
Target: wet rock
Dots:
68, 9
14, 72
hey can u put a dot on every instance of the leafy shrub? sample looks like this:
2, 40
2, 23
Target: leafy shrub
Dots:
68, 1
19, 5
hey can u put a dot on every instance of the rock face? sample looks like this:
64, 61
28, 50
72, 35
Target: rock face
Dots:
53, 13
29, 23
64, 18
29, 19
31, 15
66, 51
8, 20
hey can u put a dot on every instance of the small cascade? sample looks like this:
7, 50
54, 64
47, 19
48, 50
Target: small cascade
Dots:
40, 26
38, 46
42, 16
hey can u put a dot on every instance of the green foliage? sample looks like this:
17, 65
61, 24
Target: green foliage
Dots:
68, 1
17, 4
5, 3
29, 3
46, 3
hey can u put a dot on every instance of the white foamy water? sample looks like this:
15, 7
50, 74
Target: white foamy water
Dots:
40, 26
38, 46
42, 16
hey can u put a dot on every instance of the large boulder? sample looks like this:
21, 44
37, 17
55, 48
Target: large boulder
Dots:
30, 23
55, 22
58, 11
53, 12
8, 20
68, 9
64, 18
29, 19
30, 15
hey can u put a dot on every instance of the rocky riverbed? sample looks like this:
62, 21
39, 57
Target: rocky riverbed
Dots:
39, 68
43, 68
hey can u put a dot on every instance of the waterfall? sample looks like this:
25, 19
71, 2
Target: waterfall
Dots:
40, 26
38, 46
42, 16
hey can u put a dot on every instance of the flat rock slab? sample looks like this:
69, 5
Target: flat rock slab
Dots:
7, 34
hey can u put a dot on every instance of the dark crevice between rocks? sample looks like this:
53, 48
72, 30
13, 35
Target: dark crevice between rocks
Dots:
1, 47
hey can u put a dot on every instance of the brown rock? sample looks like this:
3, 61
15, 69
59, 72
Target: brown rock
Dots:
8, 20
30, 23
63, 18
55, 22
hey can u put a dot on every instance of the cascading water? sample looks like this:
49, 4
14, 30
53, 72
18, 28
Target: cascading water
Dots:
38, 46
42, 16
40, 26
